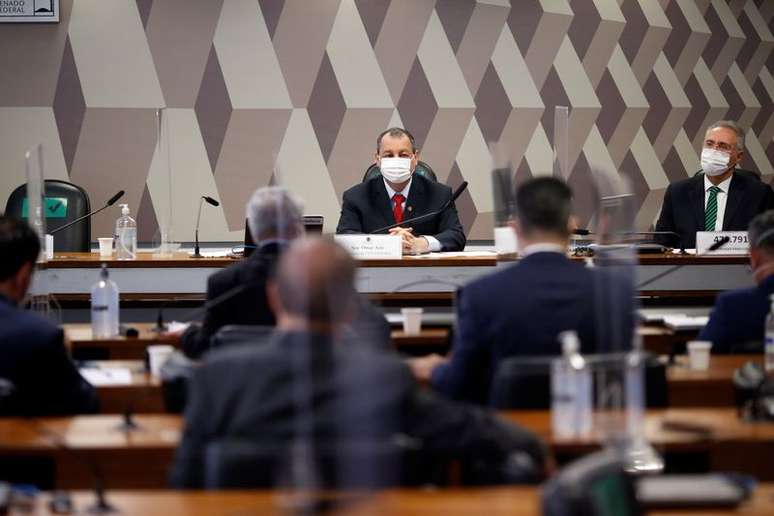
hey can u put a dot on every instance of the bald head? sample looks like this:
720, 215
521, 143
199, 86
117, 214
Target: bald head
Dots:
315, 282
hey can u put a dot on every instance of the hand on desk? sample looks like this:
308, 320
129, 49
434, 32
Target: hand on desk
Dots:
422, 367
175, 329
411, 244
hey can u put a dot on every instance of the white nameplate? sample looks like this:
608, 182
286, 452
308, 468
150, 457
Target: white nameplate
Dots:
372, 247
737, 242
29, 11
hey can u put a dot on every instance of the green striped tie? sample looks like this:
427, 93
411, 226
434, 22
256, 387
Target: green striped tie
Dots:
711, 213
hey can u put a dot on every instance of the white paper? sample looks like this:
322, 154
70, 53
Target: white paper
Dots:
101, 377
686, 322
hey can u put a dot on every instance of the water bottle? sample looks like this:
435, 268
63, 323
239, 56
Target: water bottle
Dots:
126, 235
571, 404
768, 346
104, 306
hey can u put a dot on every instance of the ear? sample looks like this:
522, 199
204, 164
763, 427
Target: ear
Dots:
272, 296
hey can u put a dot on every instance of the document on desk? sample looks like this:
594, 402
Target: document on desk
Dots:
103, 377
459, 254
686, 322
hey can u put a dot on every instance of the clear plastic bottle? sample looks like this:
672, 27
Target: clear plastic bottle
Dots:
104, 306
571, 404
768, 341
126, 235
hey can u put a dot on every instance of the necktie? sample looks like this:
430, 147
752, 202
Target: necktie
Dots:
711, 213
397, 207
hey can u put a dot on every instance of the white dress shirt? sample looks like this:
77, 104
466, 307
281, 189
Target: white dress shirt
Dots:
433, 243
542, 247
722, 198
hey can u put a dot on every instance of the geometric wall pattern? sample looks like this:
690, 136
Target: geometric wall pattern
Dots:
295, 91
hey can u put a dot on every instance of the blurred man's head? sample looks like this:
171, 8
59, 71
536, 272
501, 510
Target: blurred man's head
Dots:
19, 249
761, 237
396, 155
275, 214
314, 286
543, 207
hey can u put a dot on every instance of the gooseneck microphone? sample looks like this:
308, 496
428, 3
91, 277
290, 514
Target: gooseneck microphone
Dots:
212, 202
435, 213
714, 247
108, 204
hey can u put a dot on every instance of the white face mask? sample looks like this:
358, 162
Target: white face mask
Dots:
395, 170
714, 162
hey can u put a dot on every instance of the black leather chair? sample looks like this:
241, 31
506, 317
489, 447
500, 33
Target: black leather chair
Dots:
65, 203
595, 485
423, 169
524, 383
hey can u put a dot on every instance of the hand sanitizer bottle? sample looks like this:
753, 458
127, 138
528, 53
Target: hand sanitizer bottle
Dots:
126, 235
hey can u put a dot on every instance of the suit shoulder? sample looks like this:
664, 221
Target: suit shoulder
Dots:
36, 329
361, 189
433, 186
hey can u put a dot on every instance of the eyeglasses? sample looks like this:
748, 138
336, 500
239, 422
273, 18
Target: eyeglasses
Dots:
721, 146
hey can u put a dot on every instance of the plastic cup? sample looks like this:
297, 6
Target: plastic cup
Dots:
412, 320
105, 247
699, 354
157, 356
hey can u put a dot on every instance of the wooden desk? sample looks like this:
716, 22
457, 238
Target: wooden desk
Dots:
140, 459
78, 337
70, 275
711, 388
495, 501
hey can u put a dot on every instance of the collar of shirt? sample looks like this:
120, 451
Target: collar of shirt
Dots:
724, 186
404, 193
542, 247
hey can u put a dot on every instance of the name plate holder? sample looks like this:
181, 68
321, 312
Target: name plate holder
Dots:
372, 247
738, 243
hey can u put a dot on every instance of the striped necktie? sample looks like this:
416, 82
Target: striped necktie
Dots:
711, 213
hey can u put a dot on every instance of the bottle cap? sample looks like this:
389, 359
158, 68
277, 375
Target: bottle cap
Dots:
570, 342
124, 209
104, 272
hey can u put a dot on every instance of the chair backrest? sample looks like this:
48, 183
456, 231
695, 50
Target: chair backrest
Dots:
423, 169
595, 485
242, 464
524, 383
65, 202
239, 334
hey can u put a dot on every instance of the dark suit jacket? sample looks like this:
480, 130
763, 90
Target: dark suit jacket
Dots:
521, 309
738, 317
683, 208
347, 392
34, 359
249, 306
366, 207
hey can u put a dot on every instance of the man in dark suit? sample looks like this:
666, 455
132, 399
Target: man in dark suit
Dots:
398, 194
521, 309
32, 353
312, 388
738, 317
721, 198
237, 294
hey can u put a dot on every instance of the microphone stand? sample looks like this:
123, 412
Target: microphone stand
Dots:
197, 254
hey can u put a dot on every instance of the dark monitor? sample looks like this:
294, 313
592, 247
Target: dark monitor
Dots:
313, 225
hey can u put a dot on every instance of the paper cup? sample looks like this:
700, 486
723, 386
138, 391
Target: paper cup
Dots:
105, 247
412, 320
157, 356
699, 354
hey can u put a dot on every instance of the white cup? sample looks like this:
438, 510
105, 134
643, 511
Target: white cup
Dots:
158, 355
105, 247
699, 354
412, 320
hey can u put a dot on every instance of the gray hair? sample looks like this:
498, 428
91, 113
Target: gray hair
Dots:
760, 233
730, 124
274, 212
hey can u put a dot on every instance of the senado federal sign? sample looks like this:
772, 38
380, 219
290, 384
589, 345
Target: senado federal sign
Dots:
29, 11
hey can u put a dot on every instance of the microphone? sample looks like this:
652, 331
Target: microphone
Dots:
108, 204
211, 202
585, 232
714, 247
443, 208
